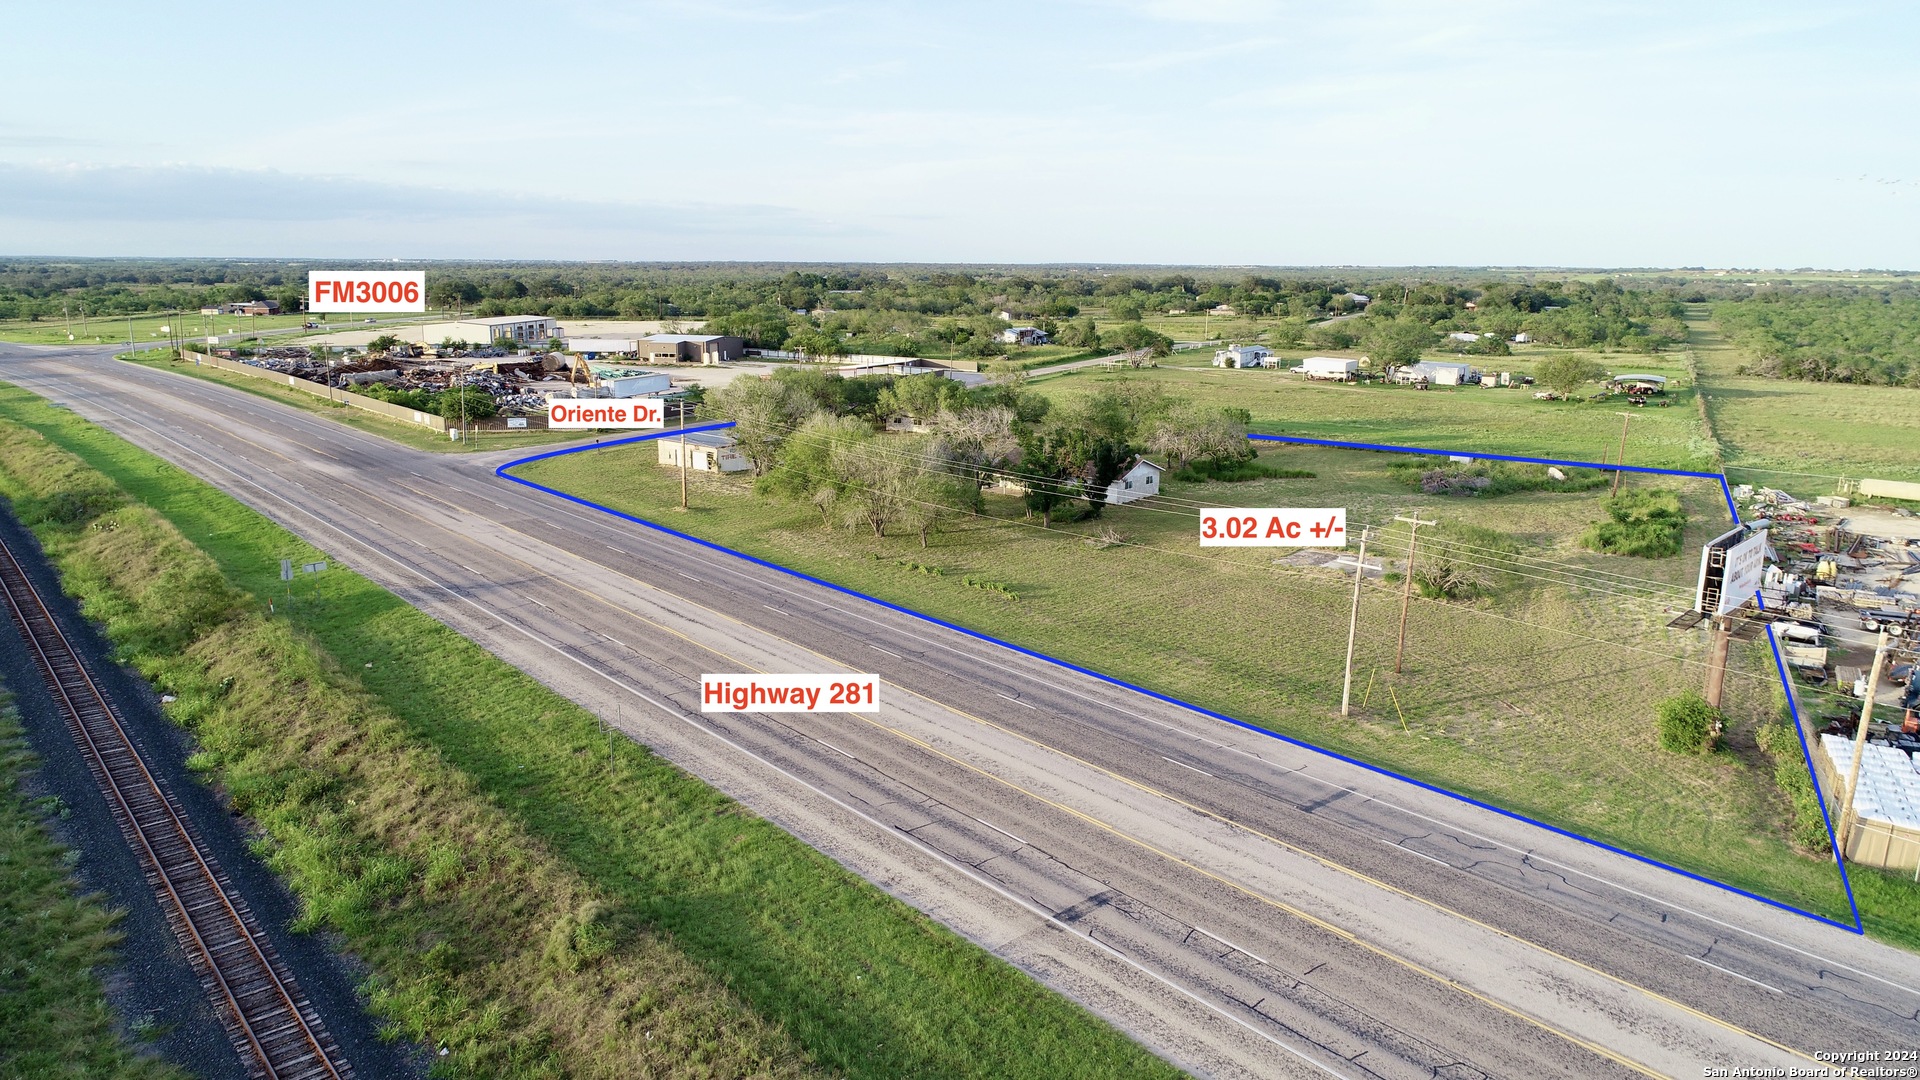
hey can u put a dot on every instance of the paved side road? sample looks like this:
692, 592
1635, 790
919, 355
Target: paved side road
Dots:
1245, 907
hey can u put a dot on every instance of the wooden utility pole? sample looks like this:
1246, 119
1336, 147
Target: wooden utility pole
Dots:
1627, 418
683, 458
1353, 624
1406, 593
1722, 631
1860, 741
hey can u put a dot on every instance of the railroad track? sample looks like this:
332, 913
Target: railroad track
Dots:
272, 1025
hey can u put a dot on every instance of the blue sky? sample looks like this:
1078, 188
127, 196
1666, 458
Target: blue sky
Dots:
1199, 131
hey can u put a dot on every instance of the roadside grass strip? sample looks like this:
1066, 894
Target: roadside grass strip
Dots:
1898, 932
527, 901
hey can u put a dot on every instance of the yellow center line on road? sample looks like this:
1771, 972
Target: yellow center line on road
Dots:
1138, 785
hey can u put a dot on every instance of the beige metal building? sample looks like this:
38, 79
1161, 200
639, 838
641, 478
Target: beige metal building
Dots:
689, 349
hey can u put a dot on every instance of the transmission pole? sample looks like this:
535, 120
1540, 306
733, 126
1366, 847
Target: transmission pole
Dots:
1860, 740
1722, 641
1353, 623
1406, 593
1622, 459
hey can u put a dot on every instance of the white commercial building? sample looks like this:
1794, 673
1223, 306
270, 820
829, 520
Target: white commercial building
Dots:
519, 329
707, 451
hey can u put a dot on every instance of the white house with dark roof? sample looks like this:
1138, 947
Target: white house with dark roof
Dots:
1140, 480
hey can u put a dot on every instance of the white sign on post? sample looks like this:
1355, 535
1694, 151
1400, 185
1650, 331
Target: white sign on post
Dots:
366, 290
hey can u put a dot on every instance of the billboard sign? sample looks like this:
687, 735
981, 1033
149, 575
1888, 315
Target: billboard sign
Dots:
1745, 568
366, 290
1732, 566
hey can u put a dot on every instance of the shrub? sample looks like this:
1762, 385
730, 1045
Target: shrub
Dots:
1438, 476
1234, 472
1445, 579
1648, 523
1688, 725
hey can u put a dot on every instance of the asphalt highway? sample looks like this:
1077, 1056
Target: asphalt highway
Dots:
1243, 906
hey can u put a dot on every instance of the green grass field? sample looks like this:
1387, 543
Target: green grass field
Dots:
1473, 418
1803, 436
54, 941
147, 329
144, 328
1508, 698
538, 908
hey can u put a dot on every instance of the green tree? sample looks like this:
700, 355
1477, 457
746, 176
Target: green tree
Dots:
1126, 309
1565, 374
765, 414
1132, 336
872, 485
1399, 341
1198, 432
921, 396
805, 469
1044, 476
465, 403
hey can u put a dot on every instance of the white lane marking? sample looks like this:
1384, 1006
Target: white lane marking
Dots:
1301, 771
618, 642
697, 581
1015, 700
1001, 831
467, 568
836, 749
769, 607
1426, 856
532, 601
1236, 948
1737, 975
1536, 856
615, 550
1184, 765
878, 649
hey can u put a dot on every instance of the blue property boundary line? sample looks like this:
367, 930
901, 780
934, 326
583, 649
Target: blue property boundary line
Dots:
1857, 927
1780, 665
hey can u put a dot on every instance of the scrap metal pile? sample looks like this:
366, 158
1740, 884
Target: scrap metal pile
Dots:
518, 387
1845, 571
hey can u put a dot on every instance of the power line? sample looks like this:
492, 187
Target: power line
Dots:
1301, 590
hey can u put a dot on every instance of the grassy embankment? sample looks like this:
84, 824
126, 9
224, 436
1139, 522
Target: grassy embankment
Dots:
1507, 698
373, 423
536, 907
54, 1018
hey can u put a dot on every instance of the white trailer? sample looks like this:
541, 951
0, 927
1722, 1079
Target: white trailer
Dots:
1328, 367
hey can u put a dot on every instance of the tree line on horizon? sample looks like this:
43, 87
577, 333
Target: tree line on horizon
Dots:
1827, 331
